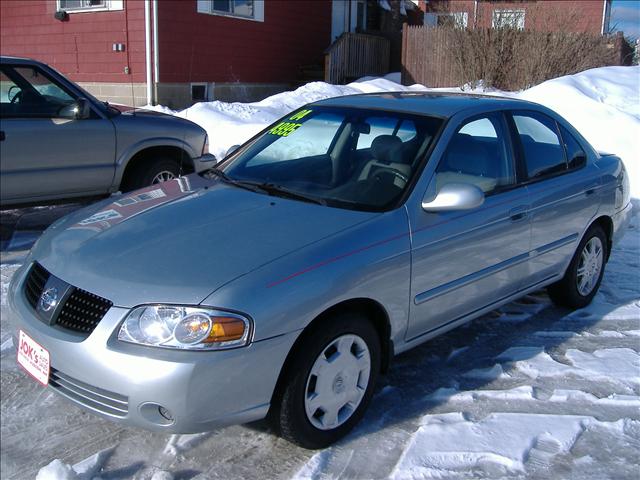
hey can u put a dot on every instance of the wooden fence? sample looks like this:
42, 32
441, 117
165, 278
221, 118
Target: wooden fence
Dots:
426, 58
508, 59
354, 55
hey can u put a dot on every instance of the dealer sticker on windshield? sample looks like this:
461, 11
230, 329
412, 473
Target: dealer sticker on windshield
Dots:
33, 358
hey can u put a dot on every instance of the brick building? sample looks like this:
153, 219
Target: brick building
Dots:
588, 16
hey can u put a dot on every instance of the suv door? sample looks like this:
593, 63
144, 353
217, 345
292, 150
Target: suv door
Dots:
47, 153
463, 261
562, 190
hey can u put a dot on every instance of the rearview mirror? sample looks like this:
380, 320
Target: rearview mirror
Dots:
232, 149
455, 196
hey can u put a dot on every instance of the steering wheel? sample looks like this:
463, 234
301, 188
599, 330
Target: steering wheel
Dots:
16, 96
391, 171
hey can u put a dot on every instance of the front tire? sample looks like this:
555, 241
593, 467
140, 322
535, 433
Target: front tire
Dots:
329, 383
584, 275
151, 172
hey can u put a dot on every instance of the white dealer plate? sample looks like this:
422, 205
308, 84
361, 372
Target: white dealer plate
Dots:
33, 358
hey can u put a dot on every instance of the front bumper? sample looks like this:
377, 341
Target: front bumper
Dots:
128, 383
204, 162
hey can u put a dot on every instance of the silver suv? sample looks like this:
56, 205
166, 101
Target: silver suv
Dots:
57, 141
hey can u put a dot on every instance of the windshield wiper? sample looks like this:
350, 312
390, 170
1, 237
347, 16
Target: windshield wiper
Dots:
231, 181
265, 187
280, 191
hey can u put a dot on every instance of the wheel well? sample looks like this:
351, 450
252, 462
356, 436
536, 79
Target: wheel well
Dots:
376, 314
607, 226
146, 155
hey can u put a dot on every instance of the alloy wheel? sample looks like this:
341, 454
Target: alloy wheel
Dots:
590, 266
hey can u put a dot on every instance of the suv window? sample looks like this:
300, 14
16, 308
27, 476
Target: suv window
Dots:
29, 92
478, 154
575, 154
541, 145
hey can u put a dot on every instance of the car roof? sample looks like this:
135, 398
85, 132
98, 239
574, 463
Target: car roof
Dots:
426, 103
18, 60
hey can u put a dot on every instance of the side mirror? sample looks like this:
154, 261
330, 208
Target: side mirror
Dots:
455, 196
232, 149
82, 109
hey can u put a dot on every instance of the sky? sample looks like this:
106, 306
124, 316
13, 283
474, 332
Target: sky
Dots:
625, 16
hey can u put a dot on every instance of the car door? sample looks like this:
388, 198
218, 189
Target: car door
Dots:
465, 260
46, 153
562, 190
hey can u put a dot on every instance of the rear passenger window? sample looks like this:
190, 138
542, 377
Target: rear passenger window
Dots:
543, 151
575, 154
478, 154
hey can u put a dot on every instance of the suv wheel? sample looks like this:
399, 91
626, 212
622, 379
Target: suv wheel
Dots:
330, 386
156, 170
582, 280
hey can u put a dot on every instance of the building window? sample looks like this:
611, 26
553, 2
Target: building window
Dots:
455, 19
508, 19
73, 6
247, 9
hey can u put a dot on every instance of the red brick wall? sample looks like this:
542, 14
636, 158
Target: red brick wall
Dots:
546, 15
80, 47
199, 47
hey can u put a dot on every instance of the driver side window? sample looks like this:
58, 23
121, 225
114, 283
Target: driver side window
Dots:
478, 154
26, 91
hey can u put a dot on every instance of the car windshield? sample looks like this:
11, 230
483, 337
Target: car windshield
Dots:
341, 157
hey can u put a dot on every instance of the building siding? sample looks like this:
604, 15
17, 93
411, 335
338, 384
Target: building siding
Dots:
239, 59
80, 47
197, 47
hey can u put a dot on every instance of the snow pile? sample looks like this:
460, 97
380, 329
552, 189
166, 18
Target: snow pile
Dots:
498, 445
84, 470
602, 103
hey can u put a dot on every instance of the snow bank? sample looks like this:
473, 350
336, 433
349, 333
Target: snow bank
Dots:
602, 103
498, 445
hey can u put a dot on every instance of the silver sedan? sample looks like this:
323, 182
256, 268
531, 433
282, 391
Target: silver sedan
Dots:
281, 283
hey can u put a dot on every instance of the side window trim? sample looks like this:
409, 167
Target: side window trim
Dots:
563, 140
515, 135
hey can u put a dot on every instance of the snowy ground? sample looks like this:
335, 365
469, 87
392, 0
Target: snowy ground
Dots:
527, 391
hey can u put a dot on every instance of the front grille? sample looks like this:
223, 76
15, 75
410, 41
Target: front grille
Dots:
94, 398
82, 311
36, 280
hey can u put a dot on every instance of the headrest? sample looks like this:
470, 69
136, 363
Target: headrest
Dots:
386, 148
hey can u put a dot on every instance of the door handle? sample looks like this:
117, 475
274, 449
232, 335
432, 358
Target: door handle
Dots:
518, 213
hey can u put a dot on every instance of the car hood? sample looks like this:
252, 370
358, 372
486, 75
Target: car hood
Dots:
179, 241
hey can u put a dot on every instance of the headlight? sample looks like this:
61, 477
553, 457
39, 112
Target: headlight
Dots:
190, 328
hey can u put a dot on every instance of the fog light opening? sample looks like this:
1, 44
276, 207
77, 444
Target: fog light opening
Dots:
165, 413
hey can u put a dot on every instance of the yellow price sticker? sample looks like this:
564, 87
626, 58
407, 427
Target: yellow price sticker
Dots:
301, 114
283, 129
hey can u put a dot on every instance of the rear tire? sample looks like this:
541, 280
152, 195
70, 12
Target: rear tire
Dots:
150, 172
584, 275
329, 383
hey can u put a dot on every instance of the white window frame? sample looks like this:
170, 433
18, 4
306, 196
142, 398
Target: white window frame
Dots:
517, 14
108, 6
206, 7
460, 19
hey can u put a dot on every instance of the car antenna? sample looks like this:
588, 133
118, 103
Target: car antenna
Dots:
127, 68
186, 111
